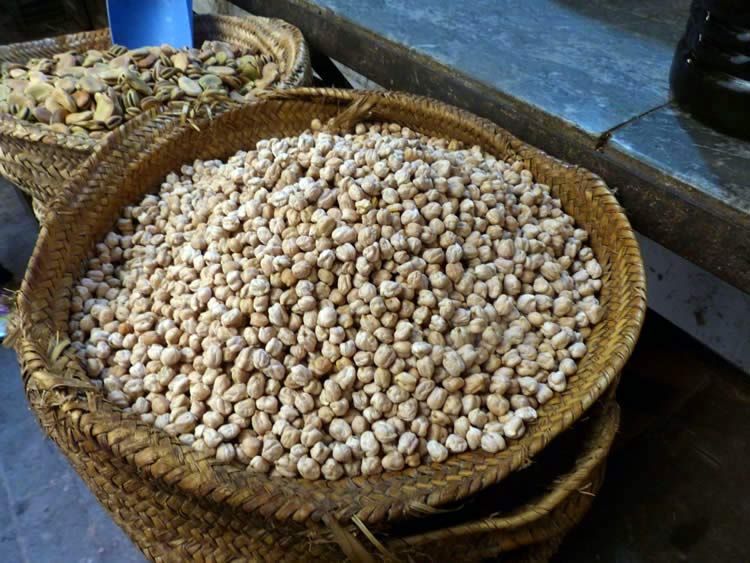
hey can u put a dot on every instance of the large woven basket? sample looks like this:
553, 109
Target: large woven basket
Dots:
39, 160
141, 462
528, 529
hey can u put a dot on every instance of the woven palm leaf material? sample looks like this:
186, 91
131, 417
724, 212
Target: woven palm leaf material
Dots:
74, 412
523, 518
536, 505
39, 160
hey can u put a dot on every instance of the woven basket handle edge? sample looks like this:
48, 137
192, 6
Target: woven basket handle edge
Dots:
594, 452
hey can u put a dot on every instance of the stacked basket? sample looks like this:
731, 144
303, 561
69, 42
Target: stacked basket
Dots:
177, 503
39, 160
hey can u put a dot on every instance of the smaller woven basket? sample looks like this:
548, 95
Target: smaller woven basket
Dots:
546, 502
39, 161
130, 463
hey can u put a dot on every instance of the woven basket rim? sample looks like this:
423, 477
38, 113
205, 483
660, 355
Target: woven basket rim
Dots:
383, 497
530, 525
18, 128
594, 449
550, 515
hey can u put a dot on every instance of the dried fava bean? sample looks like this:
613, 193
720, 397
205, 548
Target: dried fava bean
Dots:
307, 309
99, 93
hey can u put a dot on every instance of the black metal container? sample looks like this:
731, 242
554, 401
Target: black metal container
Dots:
710, 74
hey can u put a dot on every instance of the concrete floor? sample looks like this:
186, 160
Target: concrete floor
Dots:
47, 514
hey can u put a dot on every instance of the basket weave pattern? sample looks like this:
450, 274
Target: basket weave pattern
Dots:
125, 460
40, 161
545, 520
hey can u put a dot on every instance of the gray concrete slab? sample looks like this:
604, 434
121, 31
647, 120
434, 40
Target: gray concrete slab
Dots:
10, 545
592, 64
691, 153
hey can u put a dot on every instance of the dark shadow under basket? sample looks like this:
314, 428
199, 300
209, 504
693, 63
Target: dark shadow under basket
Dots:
39, 161
144, 462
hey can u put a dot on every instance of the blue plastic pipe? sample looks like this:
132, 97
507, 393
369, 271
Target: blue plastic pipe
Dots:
142, 23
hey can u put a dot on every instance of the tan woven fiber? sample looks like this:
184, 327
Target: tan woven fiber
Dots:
534, 523
166, 528
134, 160
39, 160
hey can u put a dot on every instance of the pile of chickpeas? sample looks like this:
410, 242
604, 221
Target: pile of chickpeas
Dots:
325, 305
